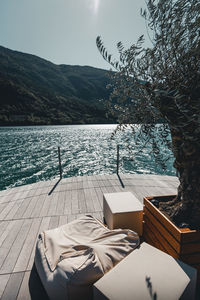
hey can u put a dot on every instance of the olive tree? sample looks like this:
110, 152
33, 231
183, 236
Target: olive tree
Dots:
162, 83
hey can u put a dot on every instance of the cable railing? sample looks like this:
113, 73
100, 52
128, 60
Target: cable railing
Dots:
61, 169
60, 166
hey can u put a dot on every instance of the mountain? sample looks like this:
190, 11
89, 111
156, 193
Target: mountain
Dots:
34, 91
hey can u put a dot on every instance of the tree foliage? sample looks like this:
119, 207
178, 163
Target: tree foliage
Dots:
162, 82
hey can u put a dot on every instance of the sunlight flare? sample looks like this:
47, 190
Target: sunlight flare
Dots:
96, 6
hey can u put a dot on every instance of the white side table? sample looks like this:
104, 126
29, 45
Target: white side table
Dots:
123, 210
147, 273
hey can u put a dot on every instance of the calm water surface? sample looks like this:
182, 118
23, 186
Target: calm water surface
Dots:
30, 154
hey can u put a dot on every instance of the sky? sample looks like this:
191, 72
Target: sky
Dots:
65, 31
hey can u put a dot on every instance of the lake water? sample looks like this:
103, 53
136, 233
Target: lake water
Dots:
30, 154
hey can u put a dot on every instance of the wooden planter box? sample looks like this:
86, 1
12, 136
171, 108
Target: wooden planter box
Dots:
161, 233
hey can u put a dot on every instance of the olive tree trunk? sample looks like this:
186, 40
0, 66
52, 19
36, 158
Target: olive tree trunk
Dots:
187, 162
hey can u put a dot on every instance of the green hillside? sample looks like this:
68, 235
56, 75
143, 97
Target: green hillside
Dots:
34, 91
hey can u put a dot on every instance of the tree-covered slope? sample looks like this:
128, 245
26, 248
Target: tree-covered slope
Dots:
36, 91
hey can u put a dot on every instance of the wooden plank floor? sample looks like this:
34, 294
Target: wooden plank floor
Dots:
27, 210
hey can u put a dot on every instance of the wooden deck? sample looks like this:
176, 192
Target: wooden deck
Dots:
27, 210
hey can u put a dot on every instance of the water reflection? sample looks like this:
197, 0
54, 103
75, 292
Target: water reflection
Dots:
29, 154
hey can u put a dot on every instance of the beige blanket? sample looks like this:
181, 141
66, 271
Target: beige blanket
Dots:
78, 254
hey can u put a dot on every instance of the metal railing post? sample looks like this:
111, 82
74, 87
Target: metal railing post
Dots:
117, 159
60, 167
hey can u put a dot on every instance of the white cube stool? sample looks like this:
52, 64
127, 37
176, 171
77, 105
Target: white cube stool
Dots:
147, 273
123, 210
